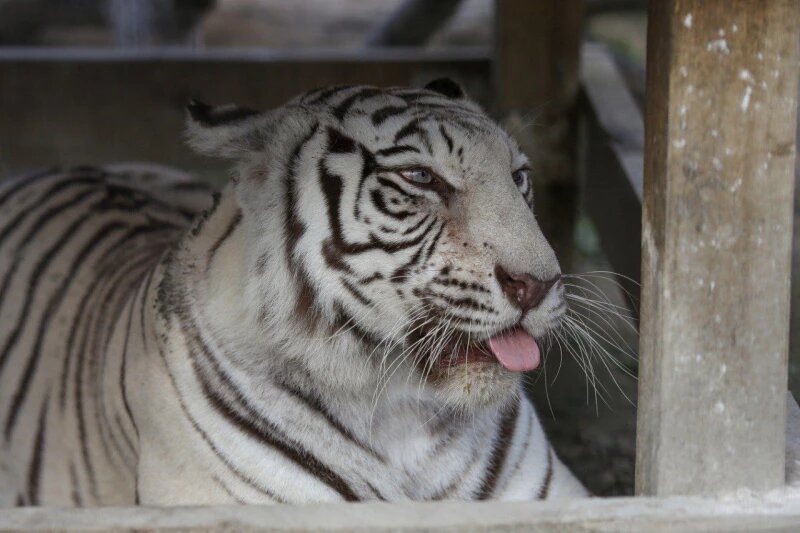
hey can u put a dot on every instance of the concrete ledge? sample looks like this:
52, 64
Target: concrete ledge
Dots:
771, 512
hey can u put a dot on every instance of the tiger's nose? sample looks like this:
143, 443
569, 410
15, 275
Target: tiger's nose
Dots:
524, 291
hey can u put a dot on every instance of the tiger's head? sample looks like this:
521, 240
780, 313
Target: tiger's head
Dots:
396, 225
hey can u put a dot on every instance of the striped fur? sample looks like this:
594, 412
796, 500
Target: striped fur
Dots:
295, 338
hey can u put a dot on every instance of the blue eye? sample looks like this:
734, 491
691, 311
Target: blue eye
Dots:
420, 176
521, 180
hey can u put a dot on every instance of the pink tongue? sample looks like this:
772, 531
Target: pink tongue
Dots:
516, 350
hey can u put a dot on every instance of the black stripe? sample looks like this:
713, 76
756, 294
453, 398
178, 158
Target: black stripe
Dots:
322, 94
24, 181
376, 195
93, 325
90, 291
75, 491
262, 430
293, 226
313, 403
121, 288
343, 321
399, 149
35, 468
395, 187
409, 129
227, 489
88, 322
544, 490
50, 311
382, 114
399, 275
434, 242
339, 143
341, 110
499, 451
234, 223
447, 138
38, 271
467, 302
305, 302
416, 226
356, 293
58, 187
251, 421
413, 128
124, 359
368, 167
222, 457
143, 309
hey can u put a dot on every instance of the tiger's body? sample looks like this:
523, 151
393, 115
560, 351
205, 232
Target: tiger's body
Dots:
306, 338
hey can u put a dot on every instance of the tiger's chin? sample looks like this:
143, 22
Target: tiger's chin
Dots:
474, 384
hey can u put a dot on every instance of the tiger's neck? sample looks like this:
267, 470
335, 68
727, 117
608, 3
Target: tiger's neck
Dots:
236, 304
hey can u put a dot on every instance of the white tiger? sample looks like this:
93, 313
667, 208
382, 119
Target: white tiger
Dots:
348, 321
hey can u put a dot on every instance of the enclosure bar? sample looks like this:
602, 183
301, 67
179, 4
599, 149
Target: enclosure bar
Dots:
537, 54
612, 163
716, 238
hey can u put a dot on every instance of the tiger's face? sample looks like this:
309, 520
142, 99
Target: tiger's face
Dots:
406, 219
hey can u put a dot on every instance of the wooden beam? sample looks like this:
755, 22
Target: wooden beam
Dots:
651, 515
612, 154
413, 23
717, 226
68, 106
537, 53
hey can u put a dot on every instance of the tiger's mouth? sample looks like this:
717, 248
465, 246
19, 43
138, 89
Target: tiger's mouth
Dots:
515, 349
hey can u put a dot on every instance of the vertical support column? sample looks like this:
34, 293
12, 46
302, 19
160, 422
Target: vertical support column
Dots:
716, 236
536, 62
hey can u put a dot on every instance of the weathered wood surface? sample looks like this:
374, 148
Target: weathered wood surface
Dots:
537, 54
612, 152
717, 227
68, 106
772, 513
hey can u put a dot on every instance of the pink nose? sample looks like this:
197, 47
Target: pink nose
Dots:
524, 291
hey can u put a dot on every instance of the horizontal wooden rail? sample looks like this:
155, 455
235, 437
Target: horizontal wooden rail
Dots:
776, 512
71, 106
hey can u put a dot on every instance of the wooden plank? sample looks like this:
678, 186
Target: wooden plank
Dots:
612, 155
537, 53
597, 514
413, 22
717, 227
68, 106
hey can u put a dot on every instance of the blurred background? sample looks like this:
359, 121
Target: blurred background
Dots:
98, 81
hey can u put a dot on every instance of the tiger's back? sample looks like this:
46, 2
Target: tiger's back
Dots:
76, 247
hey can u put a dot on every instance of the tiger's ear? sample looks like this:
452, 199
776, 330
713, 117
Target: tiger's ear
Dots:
226, 131
446, 87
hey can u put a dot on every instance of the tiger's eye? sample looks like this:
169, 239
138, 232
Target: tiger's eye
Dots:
417, 175
521, 179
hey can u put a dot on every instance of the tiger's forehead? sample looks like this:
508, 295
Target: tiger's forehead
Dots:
455, 130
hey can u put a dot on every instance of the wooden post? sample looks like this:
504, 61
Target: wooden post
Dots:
537, 54
716, 237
